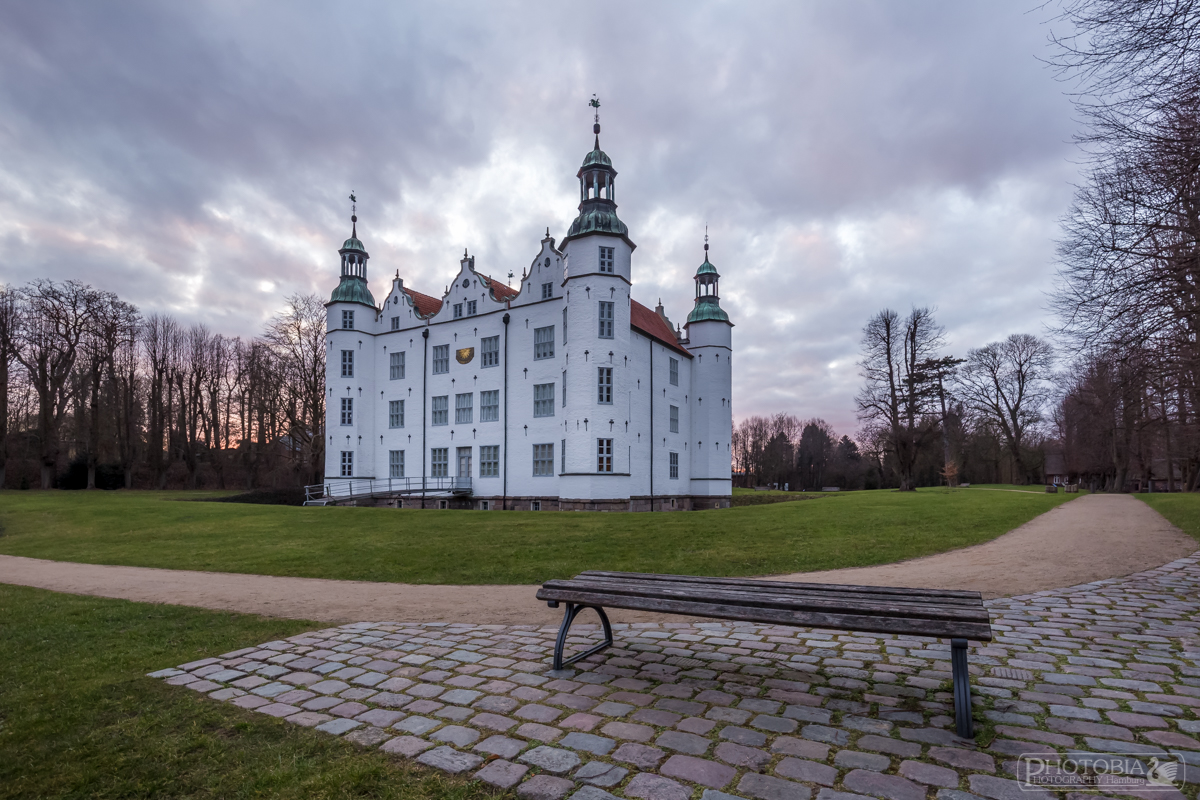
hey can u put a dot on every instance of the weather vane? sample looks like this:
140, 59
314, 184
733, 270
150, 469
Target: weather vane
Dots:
595, 103
706, 241
353, 203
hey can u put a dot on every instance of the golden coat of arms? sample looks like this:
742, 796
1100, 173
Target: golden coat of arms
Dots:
465, 354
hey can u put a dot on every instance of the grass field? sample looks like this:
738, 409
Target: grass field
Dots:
78, 719
479, 547
1181, 509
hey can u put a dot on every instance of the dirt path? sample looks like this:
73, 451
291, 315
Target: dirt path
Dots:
1097, 536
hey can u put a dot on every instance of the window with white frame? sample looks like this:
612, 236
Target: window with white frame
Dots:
604, 385
471, 307
347, 410
489, 351
396, 366
489, 406
535, 505
547, 291
563, 456
347, 363
489, 461
674, 461
395, 463
464, 408
439, 462
347, 463
606, 320
348, 320
564, 391
543, 343
543, 460
441, 410
674, 370
604, 453
457, 310
674, 419
564, 325
543, 400
606, 259
395, 323
441, 359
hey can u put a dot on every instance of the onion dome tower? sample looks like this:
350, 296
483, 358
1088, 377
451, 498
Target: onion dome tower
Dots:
710, 339
353, 285
708, 299
597, 194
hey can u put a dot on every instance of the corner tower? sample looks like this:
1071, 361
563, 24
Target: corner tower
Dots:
595, 367
710, 339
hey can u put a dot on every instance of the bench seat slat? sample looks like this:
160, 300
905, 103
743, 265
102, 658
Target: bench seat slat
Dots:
796, 590
767, 597
918, 595
868, 623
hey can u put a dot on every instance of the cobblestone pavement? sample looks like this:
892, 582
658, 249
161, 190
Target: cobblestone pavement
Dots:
718, 710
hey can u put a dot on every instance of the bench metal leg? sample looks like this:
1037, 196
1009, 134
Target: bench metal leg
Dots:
963, 724
572, 611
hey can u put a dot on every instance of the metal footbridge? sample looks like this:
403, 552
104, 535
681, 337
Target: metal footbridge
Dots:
333, 492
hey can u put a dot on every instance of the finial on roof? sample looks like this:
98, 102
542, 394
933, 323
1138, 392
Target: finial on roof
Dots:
547, 231
595, 103
464, 252
706, 241
353, 215
510, 274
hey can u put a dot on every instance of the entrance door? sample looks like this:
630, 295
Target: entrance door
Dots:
464, 462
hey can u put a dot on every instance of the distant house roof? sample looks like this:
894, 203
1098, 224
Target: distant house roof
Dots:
426, 306
500, 291
646, 321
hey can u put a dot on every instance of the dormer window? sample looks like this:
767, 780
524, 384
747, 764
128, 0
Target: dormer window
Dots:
457, 310
606, 259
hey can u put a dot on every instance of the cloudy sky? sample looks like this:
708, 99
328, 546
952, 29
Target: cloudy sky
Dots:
196, 158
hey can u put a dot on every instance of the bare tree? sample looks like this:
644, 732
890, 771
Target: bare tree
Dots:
297, 338
1008, 383
8, 358
897, 394
114, 323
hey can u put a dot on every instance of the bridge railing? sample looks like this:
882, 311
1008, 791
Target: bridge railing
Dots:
350, 488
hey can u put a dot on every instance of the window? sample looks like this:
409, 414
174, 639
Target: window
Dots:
547, 291
563, 456
347, 363
604, 455
348, 320
606, 319
439, 462
441, 359
464, 405
489, 406
564, 326
485, 505
564, 400
464, 462
347, 464
489, 461
606, 259
471, 308
395, 463
457, 310
674, 466
489, 351
441, 410
604, 386
674, 419
674, 371
396, 366
543, 343
395, 323
347, 410
395, 413
543, 400
543, 460
536, 505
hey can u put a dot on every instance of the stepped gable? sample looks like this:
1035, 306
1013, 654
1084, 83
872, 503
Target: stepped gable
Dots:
646, 321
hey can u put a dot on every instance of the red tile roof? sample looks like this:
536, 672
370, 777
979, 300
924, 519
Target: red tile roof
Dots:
500, 291
646, 321
426, 306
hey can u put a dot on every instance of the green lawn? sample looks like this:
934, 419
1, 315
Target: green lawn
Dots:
1182, 509
79, 719
475, 547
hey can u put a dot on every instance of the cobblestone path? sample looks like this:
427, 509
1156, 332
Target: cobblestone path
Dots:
717, 710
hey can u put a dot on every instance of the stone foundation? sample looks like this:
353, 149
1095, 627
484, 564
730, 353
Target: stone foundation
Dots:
661, 504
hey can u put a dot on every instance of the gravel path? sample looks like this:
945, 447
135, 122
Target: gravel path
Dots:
1092, 538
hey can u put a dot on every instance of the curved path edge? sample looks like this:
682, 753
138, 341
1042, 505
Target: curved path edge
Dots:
1096, 537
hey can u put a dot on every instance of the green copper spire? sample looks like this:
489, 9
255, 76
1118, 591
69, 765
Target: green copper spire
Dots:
353, 286
597, 206
708, 301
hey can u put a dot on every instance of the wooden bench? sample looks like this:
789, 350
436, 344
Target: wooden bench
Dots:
957, 616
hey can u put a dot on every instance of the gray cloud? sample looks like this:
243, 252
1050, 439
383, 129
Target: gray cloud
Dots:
195, 158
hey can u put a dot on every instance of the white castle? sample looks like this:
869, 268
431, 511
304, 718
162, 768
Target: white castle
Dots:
562, 394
